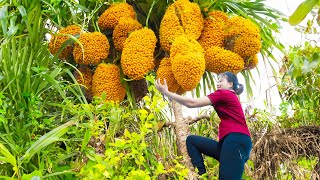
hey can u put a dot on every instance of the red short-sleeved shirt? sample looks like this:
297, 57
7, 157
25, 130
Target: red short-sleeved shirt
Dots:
230, 112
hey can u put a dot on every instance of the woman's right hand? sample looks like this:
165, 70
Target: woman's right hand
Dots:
163, 88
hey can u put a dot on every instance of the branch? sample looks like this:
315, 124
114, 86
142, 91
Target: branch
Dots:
168, 124
190, 120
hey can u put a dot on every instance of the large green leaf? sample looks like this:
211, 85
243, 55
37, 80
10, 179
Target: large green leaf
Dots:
47, 139
8, 157
301, 12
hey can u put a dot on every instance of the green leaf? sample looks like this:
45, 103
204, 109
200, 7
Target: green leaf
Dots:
307, 67
45, 140
82, 8
8, 157
64, 158
7, 178
86, 139
12, 27
35, 175
3, 19
301, 12
70, 41
59, 173
76, 90
315, 56
198, 90
296, 62
23, 13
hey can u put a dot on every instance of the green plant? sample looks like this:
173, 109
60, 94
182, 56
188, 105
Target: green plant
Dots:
300, 83
132, 155
30, 81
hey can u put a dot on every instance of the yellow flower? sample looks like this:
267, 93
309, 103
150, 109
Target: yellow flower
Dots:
191, 18
219, 60
213, 31
122, 30
247, 46
110, 17
95, 48
220, 16
184, 45
137, 55
57, 40
181, 17
165, 72
187, 62
238, 25
106, 78
170, 27
188, 69
242, 37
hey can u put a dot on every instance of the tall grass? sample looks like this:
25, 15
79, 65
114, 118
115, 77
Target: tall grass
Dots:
29, 78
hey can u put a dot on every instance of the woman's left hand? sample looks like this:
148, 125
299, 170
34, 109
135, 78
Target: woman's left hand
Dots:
163, 88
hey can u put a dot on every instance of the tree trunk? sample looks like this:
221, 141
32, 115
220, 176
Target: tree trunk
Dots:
182, 131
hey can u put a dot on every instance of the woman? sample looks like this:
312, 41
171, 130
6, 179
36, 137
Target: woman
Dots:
234, 145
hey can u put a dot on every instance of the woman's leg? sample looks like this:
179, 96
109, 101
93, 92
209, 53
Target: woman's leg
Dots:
197, 145
235, 152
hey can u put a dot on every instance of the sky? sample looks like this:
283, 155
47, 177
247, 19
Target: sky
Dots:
265, 95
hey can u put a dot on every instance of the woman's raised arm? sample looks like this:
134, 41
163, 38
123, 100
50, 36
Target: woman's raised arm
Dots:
186, 101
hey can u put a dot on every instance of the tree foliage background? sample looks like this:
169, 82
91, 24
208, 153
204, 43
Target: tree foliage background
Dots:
49, 130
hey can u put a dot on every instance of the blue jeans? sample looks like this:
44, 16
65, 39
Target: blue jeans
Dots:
232, 152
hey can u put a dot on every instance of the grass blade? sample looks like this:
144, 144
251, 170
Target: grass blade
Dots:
46, 140
8, 157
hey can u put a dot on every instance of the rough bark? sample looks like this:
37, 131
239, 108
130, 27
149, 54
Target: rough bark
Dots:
188, 120
182, 131
181, 128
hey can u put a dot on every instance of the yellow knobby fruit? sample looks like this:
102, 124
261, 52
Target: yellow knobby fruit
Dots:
95, 48
181, 17
219, 60
185, 45
58, 39
170, 28
137, 55
84, 77
191, 18
251, 62
165, 72
122, 30
238, 25
188, 69
111, 16
180, 91
220, 16
242, 37
213, 31
247, 46
106, 78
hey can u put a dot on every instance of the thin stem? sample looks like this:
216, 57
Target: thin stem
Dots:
150, 10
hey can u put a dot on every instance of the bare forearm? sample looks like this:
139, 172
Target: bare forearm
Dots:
186, 101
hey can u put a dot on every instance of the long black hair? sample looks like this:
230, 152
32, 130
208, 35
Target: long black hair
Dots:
232, 78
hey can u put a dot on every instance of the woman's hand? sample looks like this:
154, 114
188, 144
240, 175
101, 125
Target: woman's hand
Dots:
163, 88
